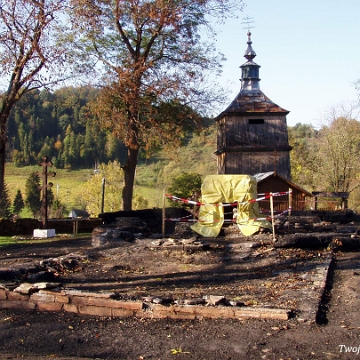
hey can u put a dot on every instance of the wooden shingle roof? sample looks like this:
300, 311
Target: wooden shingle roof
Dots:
260, 177
254, 101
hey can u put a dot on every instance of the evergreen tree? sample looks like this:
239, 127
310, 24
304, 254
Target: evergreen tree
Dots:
50, 197
32, 187
58, 209
18, 203
185, 184
5, 203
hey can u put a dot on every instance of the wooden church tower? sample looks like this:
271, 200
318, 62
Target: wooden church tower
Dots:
252, 131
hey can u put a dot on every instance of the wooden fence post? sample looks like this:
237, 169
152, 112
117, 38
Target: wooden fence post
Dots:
272, 215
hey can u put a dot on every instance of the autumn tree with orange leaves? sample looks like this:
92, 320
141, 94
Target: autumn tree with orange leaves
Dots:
155, 66
30, 55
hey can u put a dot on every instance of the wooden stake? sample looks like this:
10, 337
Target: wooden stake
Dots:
272, 215
163, 216
290, 205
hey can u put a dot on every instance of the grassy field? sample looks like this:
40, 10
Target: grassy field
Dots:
69, 183
12, 240
152, 176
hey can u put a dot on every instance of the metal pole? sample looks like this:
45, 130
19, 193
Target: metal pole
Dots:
102, 195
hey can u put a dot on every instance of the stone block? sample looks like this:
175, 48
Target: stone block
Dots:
144, 315
94, 310
3, 294
115, 304
262, 313
79, 293
247, 314
122, 312
162, 309
79, 300
215, 313
70, 308
185, 313
21, 305
14, 296
39, 297
49, 306
62, 299
44, 233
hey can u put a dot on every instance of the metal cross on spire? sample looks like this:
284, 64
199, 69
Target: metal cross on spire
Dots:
247, 21
249, 53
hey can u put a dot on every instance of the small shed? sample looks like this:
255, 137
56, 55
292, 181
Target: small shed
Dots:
273, 182
78, 213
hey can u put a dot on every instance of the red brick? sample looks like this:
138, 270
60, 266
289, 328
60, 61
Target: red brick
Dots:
95, 310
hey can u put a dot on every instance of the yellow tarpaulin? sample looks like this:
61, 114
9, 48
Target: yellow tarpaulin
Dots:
221, 189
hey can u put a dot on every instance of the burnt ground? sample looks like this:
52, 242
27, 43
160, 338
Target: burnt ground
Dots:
249, 273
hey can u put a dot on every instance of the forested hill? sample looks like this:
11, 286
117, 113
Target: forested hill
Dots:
61, 126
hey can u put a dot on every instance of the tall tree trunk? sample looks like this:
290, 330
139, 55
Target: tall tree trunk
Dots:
129, 177
3, 120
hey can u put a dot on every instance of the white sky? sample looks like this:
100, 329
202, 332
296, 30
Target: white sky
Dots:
309, 53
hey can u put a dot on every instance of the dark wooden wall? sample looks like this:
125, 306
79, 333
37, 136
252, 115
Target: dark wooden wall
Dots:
281, 203
249, 148
252, 163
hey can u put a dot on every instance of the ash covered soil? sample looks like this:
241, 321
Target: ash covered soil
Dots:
251, 275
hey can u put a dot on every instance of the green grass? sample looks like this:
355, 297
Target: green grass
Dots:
8, 240
153, 195
69, 183
13, 240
